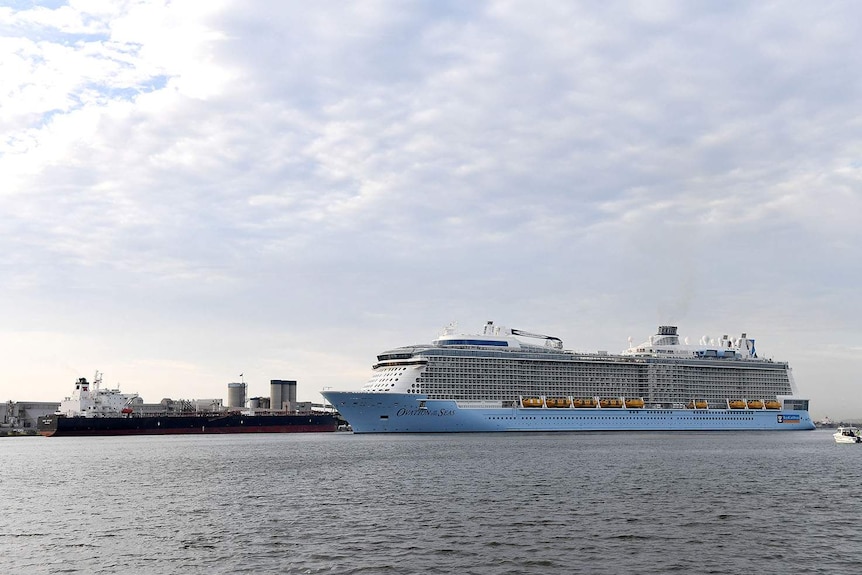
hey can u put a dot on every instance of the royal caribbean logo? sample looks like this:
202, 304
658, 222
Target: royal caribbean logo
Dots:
789, 418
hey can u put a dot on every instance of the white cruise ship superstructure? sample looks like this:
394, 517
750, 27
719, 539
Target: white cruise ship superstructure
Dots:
511, 380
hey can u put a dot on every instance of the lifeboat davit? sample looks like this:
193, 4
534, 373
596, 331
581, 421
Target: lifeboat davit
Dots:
558, 402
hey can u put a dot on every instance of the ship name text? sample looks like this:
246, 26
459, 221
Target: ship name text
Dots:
424, 412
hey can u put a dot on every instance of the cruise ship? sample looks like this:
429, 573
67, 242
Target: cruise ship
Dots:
511, 380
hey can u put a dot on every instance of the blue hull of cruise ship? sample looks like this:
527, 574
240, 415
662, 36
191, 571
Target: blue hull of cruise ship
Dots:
402, 413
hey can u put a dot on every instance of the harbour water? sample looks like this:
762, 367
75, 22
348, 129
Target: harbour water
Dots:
719, 502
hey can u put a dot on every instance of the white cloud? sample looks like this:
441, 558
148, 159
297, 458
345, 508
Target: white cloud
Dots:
379, 168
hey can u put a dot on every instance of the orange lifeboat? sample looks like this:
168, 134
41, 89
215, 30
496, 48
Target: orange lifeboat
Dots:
736, 404
558, 402
634, 402
610, 402
772, 404
585, 402
531, 402
755, 404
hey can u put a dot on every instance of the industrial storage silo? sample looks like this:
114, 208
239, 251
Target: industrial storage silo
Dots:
258, 402
275, 394
236, 395
281, 391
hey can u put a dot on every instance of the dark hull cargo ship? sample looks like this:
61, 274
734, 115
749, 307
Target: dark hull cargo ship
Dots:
60, 425
93, 410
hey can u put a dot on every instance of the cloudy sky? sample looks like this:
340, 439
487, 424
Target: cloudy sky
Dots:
190, 191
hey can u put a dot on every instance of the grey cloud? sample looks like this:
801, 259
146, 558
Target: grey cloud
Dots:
569, 165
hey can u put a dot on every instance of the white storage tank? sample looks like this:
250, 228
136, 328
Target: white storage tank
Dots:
236, 395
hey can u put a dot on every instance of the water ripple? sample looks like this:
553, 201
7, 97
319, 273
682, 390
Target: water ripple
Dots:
483, 504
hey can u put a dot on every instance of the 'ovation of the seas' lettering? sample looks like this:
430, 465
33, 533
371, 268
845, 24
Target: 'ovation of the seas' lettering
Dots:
438, 412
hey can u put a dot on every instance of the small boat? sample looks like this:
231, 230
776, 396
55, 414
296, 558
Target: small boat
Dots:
610, 402
847, 435
532, 402
585, 402
697, 404
772, 404
558, 402
736, 404
634, 402
755, 404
